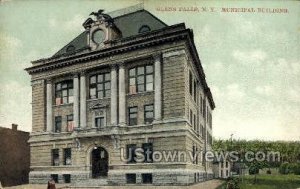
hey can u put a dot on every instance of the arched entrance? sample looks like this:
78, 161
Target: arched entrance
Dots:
99, 162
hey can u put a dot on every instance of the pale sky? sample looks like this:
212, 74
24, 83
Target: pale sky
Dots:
251, 60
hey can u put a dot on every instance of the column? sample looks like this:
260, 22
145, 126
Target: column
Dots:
49, 106
122, 95
76, 101
157, 87
82, 100
113, 96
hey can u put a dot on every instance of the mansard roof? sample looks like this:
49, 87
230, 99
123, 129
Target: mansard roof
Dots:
129, 25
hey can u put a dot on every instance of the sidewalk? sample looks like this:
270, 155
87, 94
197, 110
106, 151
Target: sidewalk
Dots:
212, 184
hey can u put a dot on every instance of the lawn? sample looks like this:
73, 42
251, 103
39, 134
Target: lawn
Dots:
276, 181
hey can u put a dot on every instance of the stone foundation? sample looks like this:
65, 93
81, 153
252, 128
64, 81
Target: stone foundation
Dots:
159, 177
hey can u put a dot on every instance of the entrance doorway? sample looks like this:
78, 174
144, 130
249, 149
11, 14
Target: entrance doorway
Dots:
99, 162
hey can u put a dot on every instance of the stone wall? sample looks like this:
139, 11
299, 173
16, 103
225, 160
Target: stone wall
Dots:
38, 106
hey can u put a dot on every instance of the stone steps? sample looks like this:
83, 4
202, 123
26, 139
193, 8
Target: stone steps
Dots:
90, 183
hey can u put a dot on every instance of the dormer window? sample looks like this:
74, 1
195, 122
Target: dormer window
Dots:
98, 36
144, 29
70, 49
100, 30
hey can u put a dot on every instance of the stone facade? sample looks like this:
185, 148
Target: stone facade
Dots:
172, 57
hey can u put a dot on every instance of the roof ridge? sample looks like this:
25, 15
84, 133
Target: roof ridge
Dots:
127, 10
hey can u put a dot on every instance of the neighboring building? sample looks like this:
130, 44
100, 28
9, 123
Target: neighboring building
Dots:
126, 82
222, 169
240, 168
14, 156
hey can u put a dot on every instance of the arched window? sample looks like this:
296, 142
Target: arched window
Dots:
144, 29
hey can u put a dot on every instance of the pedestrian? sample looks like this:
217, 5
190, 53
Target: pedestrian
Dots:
51, 184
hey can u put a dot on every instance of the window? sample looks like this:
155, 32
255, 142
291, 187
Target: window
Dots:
147, 178
70, 123
55, 157
194, 154
198, 126
67, 156
67, 178
191, 117
195, 91
191, 83
64, 92
57, 128
197, 155
144, 29
70, 49
141, 79
210, 119
130, 151
133, 115
55, 177
203, 107
99, 122
100, 86
130, 178
148, 113
195, 123
148, 151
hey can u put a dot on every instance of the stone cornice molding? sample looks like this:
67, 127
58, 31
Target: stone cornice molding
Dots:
121, 47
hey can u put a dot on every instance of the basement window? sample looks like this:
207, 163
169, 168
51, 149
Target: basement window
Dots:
67, 178
130, 178
147, 178
55, 177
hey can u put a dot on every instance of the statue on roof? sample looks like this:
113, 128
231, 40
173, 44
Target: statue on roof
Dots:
101, 16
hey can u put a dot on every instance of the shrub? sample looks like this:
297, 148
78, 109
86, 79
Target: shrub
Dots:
297, 169
253, 170
233, 183
290, 168
283, 169
268, 171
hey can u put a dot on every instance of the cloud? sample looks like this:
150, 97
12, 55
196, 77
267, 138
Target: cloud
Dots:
68, 25
234, 92
15, 101
9, 46
264, 90
294, 95
249, 57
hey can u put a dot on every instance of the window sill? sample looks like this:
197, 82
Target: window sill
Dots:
140, 125
94, 99
66, 104
63, 132
140, 93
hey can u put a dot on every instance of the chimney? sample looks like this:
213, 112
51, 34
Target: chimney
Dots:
14, 127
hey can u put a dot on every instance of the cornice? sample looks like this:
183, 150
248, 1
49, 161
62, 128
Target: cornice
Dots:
118, 46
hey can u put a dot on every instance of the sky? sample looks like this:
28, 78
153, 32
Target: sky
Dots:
251, 59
